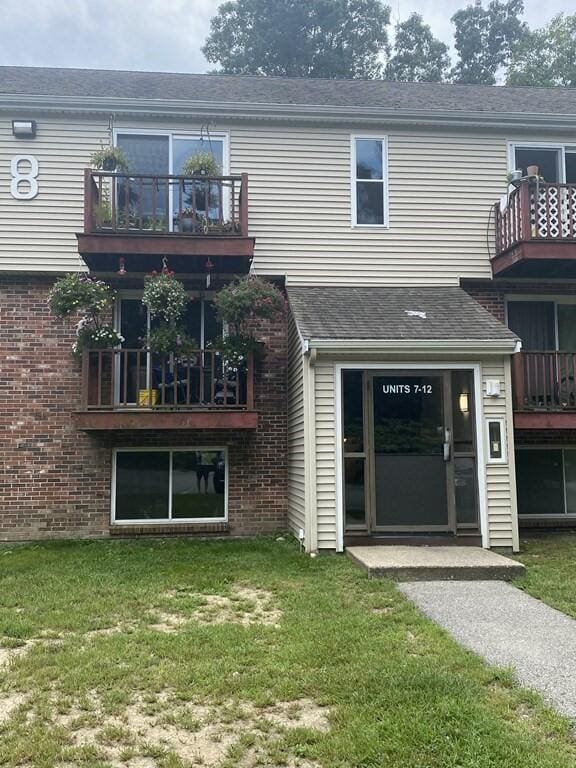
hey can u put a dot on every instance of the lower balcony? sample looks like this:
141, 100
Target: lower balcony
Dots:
126, 389
544, 390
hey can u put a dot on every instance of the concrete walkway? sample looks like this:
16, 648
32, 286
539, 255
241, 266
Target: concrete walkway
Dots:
508, 628
406, 563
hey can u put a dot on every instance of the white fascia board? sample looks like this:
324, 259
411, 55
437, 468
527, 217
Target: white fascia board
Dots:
428, 346
282, 112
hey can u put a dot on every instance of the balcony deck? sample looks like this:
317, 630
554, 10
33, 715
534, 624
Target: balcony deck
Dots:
137, 389
544, 390
536, 232
143, 217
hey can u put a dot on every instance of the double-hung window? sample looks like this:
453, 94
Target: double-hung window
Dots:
369, 181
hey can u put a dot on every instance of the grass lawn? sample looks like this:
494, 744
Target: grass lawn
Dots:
177, 653
551, 574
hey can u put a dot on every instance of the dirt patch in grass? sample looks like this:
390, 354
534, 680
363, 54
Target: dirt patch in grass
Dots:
212, 735
9, 703
245, 605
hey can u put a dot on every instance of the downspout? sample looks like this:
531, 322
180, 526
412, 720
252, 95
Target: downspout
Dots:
509, 423
311, 520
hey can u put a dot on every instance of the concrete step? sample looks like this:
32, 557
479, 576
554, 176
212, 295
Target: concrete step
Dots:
405, 563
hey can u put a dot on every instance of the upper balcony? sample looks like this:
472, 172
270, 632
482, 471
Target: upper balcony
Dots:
536, 231
144, 217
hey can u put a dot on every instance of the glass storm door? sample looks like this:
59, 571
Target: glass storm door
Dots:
412, 456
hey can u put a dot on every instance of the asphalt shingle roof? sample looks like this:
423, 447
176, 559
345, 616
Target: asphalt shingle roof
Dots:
233, 89
422, 313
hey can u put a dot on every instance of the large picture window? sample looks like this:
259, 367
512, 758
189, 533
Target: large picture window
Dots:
546, 481
165, 485
369, 181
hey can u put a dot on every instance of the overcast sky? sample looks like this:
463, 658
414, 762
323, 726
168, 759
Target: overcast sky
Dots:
164, 35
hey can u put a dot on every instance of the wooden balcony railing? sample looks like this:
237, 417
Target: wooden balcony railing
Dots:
544, 381
137, 379
536, 211
132, 203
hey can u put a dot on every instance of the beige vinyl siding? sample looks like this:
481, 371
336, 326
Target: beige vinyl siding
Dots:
499, 491
325, 408
500, 478
39, 234
441, 188
296, 433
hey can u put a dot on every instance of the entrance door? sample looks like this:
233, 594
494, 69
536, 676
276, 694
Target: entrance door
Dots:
412, 469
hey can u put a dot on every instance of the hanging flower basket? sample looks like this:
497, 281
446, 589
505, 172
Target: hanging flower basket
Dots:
164, 296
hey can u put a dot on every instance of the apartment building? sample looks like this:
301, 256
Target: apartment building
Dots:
419, 387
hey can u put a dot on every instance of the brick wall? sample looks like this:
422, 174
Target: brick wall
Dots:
55, 480
493, 296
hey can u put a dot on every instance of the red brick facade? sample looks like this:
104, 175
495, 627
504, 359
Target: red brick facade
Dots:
56, 480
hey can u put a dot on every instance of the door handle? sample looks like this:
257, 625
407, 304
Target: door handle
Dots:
447, 444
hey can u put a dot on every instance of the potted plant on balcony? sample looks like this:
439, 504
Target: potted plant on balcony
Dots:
109, 159
92, 299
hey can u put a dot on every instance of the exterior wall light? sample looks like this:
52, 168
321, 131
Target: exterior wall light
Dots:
464, 403
24, 129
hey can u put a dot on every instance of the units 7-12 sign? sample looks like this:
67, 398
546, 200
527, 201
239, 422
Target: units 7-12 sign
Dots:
407, 389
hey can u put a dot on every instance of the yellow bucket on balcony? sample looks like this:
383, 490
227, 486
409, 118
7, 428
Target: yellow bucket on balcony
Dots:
147, 397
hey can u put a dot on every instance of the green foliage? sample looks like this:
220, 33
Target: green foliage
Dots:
546, 56
164, 296
417, 55
319, 38
484, 39
236, 348
398, 691
91, 299
166, 339
77, 292
109, 158
246, 299
92, 336
203, 163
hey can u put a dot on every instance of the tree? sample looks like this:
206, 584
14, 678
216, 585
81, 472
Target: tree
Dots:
484, 38
418, 55
546, 56
317, 38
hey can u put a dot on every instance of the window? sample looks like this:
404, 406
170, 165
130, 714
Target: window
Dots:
369, 182
557, 164
161, 485
496, 446
543, 326
162, 155
546, 481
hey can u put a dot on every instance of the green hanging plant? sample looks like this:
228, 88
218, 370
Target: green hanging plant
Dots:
247, 299
201, 164
164, 296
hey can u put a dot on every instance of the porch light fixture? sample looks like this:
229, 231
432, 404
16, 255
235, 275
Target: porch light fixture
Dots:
121, 266
464, 402
24, 129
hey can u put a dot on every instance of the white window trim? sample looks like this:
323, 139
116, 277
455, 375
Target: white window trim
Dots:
503, 441
550, 515
169, 520
555, 299
564, 148
223, 136
353, 180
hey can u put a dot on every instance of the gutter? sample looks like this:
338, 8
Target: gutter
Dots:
129, 107
421, 346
